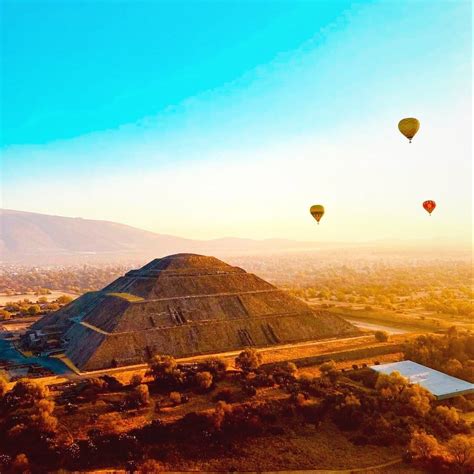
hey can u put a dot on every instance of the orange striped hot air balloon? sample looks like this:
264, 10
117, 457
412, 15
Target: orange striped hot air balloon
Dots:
429, 206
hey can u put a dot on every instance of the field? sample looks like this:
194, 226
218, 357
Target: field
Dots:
291, 445
51, 296
409, 320
279, 416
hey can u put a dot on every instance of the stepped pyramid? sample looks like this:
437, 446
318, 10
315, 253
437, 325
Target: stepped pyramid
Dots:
183, 305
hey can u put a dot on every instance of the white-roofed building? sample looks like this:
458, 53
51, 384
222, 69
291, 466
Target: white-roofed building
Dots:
440, 385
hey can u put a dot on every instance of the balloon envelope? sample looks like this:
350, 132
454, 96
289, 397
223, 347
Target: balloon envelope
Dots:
429, 206
409, 127
317, 211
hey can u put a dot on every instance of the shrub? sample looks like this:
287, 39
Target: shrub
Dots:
225, 395
3, 385
248, 360
461, 449
348, 414
204, 380
165, 371
136, 380
328, 370
111, 383
34, 309
423, 446
447, 416
93, 387
21, 464
220, 413
381, 336
289, 368
217, 367
140, 396
152, 466
175, 397
25, 393
43, 420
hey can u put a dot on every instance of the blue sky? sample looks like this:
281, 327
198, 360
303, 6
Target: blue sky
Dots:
206, 119
79, 67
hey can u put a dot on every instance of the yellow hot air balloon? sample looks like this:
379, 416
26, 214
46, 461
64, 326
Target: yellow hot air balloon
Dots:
409, 127
317, 211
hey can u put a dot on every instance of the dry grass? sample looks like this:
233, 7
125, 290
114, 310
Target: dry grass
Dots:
300, 447
408, 319
126, 296
314, 371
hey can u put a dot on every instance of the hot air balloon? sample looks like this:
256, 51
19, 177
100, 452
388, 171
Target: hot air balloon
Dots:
317, 211
429, 206
409, 127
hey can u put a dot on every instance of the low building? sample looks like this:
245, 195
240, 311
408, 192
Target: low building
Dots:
440, 385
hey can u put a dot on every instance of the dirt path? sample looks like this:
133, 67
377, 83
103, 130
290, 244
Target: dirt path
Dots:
348, 471
225, 355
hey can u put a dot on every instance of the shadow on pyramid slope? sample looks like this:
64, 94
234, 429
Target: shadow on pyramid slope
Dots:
183, 305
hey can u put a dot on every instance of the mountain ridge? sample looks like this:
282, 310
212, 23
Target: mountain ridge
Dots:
34, 238
28, 236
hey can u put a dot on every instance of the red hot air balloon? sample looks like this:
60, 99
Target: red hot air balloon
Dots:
429, 206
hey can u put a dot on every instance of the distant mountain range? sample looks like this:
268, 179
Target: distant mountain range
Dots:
27, 237
32, 238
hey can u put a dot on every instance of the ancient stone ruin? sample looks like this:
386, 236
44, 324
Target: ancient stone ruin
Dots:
182, 305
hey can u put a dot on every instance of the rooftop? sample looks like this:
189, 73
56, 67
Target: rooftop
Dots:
441, 385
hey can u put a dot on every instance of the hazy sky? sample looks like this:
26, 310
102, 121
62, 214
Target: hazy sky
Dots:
211, 119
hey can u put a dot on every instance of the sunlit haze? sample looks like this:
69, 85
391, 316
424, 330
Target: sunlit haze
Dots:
255, 113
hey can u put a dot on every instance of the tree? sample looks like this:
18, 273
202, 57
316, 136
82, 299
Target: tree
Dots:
289, 368
93, 387
140, 395
21, 464
391, 386
448, 416
418, 400
43, 420
218, 416
204, 380
248, 360
63, 299
136, 380
34, 309
329, 371
381, 336
164, 369
151, 466
176, 398
348, 414
216, 366
5, 315
423, 446
3, 385
461, 449
453, 367
26, 392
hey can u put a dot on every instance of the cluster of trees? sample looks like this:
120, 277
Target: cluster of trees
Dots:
373, 409
27, 423
75, 278
439, 287
169, 375
26, 307
435, 456
452, 353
